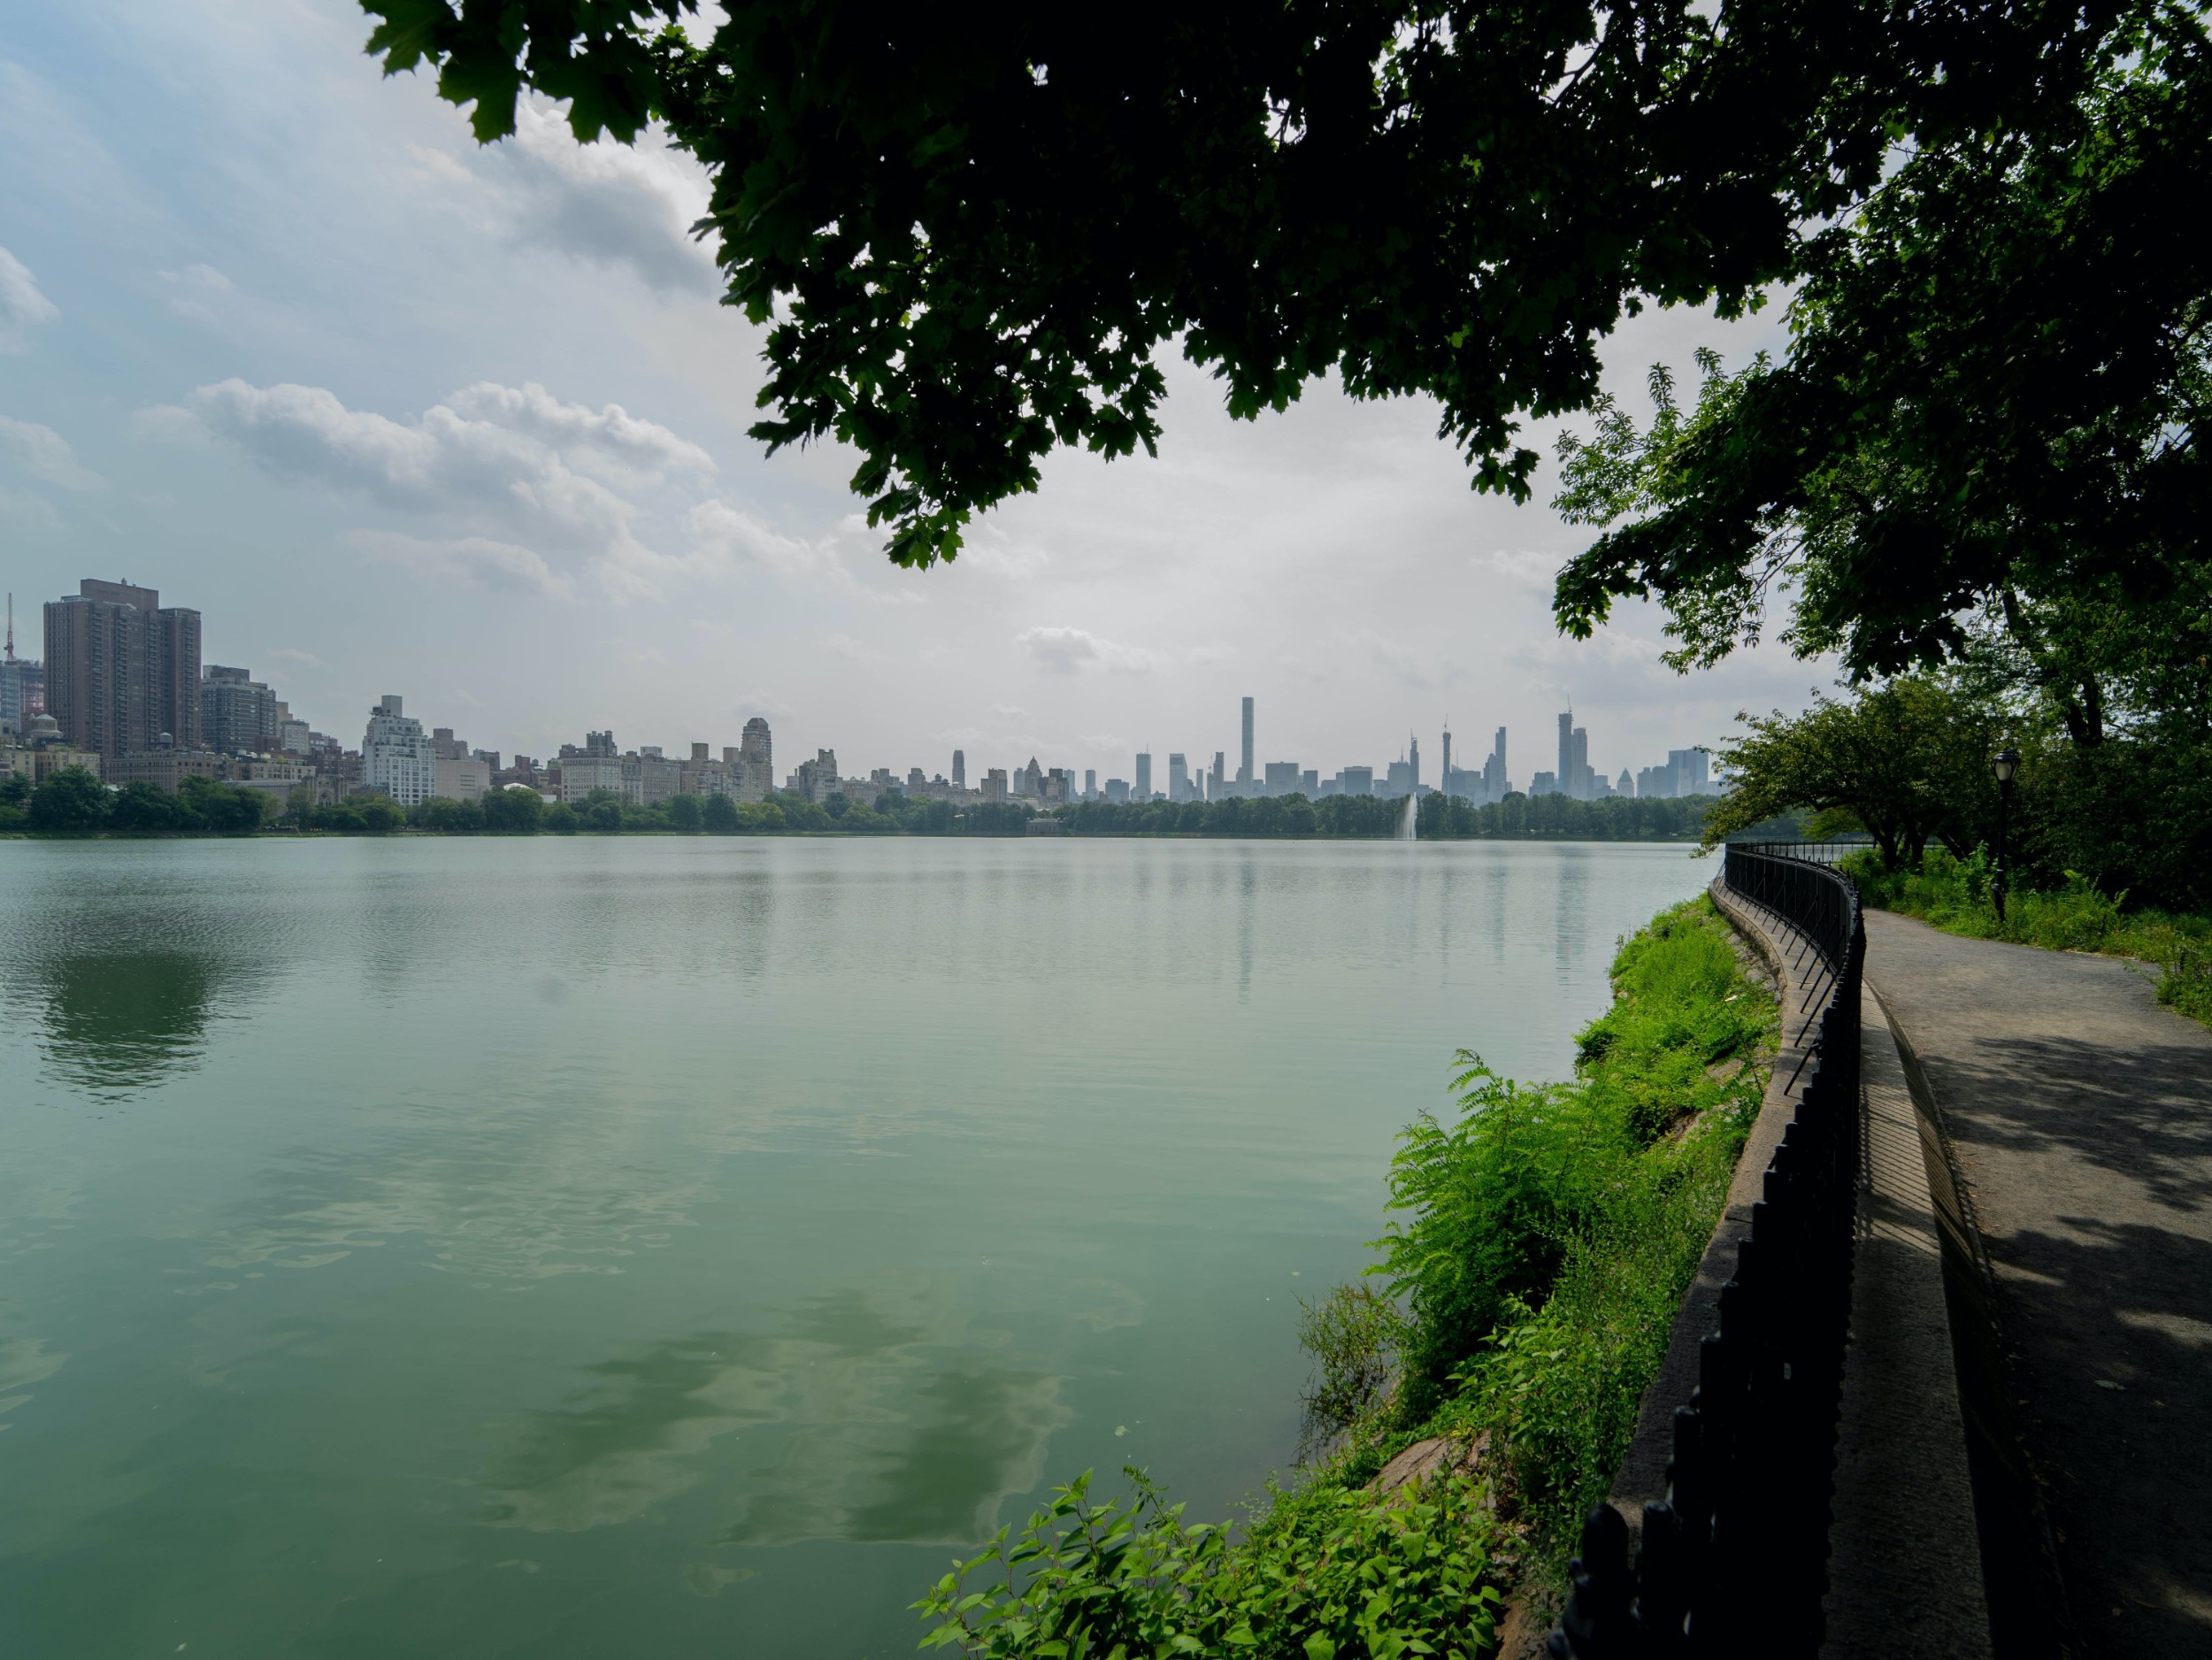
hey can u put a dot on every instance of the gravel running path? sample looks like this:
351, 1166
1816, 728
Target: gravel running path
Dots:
2080, 1114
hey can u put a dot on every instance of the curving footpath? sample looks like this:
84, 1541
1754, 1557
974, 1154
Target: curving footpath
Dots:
2078, 1115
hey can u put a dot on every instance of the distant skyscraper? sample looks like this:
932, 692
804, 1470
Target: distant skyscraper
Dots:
120, 670
238, 714
1413, 761
1244, 772
1218, 780
396, 756
1090, 784
1144, 772
756, 758
1444, 778
1282, 777
1580, 782
960, 769
1564, 777
1178, 777
22, 684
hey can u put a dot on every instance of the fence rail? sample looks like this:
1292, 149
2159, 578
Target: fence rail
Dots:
1733, 1561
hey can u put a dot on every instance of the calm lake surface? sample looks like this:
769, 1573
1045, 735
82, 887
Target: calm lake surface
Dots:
679, 1247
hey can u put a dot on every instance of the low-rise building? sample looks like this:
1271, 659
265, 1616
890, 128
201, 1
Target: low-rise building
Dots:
580, 774
165, 769
463, 778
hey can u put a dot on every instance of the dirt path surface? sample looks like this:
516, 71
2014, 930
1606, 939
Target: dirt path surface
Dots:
2080, 1115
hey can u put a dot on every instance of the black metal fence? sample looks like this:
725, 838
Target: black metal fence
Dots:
1733, 1561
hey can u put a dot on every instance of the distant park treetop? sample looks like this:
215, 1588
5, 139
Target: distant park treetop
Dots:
968, 229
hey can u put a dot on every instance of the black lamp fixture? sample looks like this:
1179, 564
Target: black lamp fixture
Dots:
2004, 764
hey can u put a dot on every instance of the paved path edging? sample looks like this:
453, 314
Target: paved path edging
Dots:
1904, 1556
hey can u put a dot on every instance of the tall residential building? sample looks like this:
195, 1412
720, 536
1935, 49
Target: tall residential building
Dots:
396, 756
1688, 767
757, 752
238, 714
22, 685
1218, 780
1282, 778
1178, 776
1413, 761
815, 780
1496, 783
1244, 772
1144, 760
960, 769
121, 669
1575, 777
1090, 783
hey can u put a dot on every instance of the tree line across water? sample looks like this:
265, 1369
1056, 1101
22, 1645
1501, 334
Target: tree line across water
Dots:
72, 802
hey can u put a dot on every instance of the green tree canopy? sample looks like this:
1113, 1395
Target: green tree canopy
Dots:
1989, 412
969, 232
515, 811
69, 801
1907, 762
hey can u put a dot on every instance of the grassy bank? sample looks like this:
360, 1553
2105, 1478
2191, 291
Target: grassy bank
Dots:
1519, 1305
1953, 895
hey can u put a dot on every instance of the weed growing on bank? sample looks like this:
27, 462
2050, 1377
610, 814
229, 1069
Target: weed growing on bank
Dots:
1519, 1307
1955, 895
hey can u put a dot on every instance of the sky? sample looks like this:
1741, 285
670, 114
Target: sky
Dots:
399, 413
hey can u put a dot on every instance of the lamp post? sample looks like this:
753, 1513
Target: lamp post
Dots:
2004, 764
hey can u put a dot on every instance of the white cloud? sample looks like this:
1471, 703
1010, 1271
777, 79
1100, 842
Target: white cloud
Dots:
1531, 567
1065, 650
22, 306
196, 291
728, 537
610, 441
501, 474
479, 561
1422, 670
628, 205
293, 654
33, 512
45, 454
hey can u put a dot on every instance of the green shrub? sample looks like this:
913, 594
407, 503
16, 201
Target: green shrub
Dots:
1955, 895
1328, 1574
1355, 1338
1550, 1232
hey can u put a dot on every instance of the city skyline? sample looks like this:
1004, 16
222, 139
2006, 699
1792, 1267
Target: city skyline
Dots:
126, 660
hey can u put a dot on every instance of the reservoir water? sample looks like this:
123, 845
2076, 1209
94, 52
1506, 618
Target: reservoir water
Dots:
682, 1247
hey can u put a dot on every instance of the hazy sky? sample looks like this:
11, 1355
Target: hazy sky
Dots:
399, 414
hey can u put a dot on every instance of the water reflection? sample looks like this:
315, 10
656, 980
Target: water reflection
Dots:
863, 1421
120, 1022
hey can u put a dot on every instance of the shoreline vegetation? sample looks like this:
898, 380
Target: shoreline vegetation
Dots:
1955, 895
1519, 1306
73, 803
